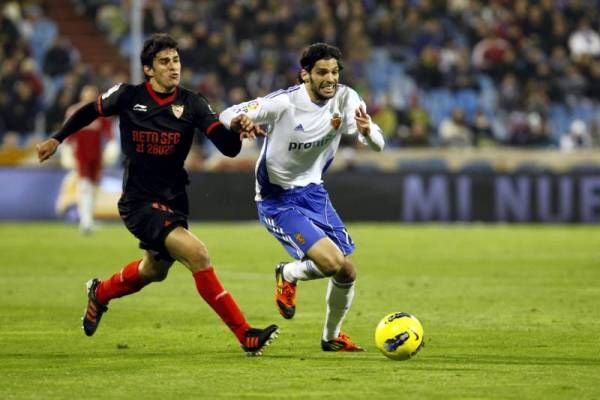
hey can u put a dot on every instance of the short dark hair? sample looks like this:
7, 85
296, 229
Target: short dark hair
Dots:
320, 51
155, 44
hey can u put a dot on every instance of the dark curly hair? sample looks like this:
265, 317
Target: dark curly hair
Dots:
155, 44
316, 52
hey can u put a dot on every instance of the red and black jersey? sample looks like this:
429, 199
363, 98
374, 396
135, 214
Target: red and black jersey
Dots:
156, 136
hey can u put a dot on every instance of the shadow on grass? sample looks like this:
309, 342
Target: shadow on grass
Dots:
513, 360
420, 362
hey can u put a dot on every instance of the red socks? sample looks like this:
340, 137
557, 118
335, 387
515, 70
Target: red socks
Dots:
221, 301
125, 282
128, 281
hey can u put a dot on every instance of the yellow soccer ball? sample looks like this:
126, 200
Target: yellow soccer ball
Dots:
399, 336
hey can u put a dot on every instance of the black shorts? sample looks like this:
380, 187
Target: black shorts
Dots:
152, 220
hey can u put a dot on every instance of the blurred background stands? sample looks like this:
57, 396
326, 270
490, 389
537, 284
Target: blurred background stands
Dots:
449, 73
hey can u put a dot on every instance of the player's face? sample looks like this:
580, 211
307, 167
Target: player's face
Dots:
323, 80
166, 71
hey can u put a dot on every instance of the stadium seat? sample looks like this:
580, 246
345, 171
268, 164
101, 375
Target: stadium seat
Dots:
468, 100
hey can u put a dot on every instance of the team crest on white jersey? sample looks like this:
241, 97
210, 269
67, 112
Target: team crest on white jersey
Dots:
336, 121
177, 110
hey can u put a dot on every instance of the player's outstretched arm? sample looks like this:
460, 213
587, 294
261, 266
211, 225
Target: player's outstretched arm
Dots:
258, 111
80, 118
229, 140
243, 125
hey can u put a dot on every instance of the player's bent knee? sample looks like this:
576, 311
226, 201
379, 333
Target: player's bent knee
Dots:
160, 276
150, 274
198, 259
347, 273
331, 264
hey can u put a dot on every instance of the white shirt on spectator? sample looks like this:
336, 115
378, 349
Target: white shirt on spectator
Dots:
578, 137
584, 42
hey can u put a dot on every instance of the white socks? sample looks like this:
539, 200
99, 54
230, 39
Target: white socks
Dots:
85, 206
305, 270
339, 295
339, 299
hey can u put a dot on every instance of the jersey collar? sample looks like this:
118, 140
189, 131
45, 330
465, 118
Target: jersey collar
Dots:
308, 100
161, 101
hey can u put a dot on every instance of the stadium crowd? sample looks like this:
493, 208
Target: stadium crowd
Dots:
456, 73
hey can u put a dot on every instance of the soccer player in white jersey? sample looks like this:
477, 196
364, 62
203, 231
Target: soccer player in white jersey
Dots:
306, 123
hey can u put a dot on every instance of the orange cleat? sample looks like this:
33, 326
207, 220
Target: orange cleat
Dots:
285, 295
341, 343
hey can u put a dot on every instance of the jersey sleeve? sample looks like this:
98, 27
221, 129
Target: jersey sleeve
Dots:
204, 118
261, 110
111, 101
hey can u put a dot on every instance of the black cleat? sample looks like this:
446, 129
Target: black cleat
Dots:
285, 294
94, 309
256, 340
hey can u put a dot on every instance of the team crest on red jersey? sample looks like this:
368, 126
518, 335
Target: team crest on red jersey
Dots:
177, 110
336, 121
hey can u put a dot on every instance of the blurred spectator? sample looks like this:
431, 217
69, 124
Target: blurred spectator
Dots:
578, 137
492, 54
510, 93
482, 130
505, 63
572, 85
584, 42
111, 19
416, 135
39, 31
427, 71
528, 130
386, 117
454, 131
59, 58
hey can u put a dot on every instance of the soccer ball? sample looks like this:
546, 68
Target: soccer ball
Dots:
399, 336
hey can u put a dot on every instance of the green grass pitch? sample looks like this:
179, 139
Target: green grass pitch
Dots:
509, 312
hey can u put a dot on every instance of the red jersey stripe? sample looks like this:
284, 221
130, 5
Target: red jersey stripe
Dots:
99, 105
212, 126
160, 101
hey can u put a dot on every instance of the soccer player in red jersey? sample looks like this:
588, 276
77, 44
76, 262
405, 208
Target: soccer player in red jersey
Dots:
87, 153
157, 123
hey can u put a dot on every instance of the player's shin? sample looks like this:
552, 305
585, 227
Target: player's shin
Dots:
304, 270
339, 300
221, 301
123, 283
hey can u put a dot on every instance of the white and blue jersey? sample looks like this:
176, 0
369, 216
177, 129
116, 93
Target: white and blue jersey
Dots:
301, 143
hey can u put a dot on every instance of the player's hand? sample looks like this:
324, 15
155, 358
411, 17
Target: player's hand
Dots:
363, 121
247, 129
46, 149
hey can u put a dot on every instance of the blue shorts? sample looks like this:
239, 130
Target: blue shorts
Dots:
300, 217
